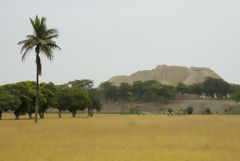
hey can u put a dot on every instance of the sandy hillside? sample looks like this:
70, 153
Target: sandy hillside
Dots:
171, 75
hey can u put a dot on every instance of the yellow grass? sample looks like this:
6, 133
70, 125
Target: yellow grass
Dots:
121, 138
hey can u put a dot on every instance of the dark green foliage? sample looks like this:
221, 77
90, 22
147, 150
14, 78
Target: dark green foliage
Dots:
213, 86
109, 91
196, 88
8, 101
232, 110
236, 96
124, 91
95, 102
138, 89
189, 110
182, 88
48, 98
73, 99
131, 111
207, 110
235, 92
134, 110
84, 83
170, 110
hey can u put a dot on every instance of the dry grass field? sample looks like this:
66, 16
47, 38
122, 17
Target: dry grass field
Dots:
121, 138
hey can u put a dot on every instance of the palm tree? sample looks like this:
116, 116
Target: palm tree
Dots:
42, 41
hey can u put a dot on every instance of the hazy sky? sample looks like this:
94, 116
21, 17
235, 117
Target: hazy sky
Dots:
104, 38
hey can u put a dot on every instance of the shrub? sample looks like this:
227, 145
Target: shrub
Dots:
207, 111
181, 111
134, 110
170, 110
124, 112
189, 110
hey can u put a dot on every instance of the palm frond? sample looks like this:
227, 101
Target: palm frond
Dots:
25, 53
51, 37
50, 32
41, 40
47, 51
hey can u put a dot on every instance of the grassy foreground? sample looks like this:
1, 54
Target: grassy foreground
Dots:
121, 138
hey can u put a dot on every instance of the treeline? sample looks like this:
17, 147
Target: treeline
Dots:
154, 91
20, 98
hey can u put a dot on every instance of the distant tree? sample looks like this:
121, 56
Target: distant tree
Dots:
213, 86
236, 96
207, 111
25, 92
78, 100
182, 88
87, 85
170, 110
42, 41
138, 89
124, 91
235, 88
84, 83
7, 100
63, 99
196, 88
109, 91
94, 102
189, 110
49, 98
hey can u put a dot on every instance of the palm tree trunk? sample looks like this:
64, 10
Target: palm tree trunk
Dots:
17, 116
37, 97
0, 114
60, 114
74, 114
30, 115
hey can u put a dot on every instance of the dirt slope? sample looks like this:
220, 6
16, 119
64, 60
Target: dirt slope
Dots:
171, 75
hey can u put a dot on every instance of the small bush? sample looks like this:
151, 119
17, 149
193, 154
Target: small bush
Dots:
207, 111
134, 110
124, 112
189, 110
131, 111
170, 110
181, 111
232, 110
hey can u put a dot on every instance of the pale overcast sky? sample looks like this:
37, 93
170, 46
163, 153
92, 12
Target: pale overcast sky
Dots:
104, 38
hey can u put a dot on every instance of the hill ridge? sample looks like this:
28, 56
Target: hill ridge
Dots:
165, 74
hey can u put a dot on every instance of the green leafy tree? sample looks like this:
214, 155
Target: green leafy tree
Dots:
213, 86
26, 93
196, 88
207, 111
109, 91
124, 91
236, 96
138, 89
93, 95
94, 102
182, 88
7, 100
49, 98
42, 42
78, 100
189, 110
84, 83
170, 111
63, 99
